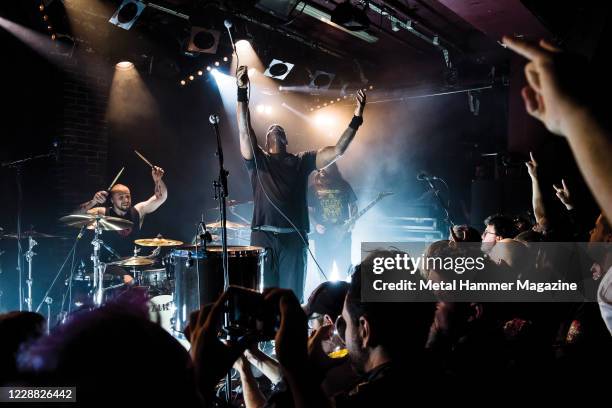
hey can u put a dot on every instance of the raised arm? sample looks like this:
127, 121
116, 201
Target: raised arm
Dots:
91, 206
329, 154
536, 192
555, 96
158, 198
248, 140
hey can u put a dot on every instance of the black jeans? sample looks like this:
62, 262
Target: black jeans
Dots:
285, 260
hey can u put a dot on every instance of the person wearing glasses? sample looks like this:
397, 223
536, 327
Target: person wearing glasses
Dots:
498, 227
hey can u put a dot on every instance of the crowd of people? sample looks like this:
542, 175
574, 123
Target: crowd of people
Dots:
395, 353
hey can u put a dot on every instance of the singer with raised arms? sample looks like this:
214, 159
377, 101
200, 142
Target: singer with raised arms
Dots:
280, 180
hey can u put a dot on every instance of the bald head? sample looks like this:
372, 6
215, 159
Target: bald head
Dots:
276, 139
120, 197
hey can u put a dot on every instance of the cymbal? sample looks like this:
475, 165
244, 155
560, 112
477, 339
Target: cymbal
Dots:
29, 233
106, 223
157, 242
228, 224
133, 261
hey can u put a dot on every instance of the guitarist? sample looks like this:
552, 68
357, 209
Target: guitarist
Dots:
332, 203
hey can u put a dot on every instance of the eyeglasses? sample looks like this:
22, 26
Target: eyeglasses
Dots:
484, 234
312, 319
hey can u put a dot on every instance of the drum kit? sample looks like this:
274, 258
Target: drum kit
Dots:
178, 281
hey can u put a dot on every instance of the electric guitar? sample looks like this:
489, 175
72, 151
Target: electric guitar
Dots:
338, 232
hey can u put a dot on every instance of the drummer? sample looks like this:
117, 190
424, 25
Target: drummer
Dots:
122, 242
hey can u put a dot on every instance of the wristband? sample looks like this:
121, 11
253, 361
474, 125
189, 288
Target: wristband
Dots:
356, 122
243, 95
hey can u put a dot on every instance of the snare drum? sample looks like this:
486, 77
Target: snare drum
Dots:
198, 275
157, 278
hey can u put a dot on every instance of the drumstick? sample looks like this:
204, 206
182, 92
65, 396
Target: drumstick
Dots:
116, 178
143, 158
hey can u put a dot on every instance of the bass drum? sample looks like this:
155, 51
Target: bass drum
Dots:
198, 276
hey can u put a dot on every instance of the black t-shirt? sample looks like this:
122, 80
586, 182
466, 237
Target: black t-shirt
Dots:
123, 241
285, 178
331, 204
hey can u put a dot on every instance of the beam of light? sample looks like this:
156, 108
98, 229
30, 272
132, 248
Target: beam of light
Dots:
246, 56
130, 102
306, 89
325, 120
227, 88
296, 112
43, 45
335, 275
125, 65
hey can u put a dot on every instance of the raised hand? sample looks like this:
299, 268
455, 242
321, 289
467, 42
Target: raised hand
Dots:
532, 166
563, 194
242, 76
552, 95
100, 197
157, 173
361, 102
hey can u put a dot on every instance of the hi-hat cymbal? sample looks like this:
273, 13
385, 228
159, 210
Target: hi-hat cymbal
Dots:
89, 220
228, 224
28, 234
158, 242
133, 261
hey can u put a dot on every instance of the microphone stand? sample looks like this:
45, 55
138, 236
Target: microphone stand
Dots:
221, 193
436, 192
18, 166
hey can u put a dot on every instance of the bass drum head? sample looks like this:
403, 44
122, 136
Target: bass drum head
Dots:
161, 311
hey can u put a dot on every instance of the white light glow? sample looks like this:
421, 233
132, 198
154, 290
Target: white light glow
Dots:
323, 119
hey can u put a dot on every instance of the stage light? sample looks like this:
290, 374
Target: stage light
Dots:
127, 14
278, 69
260, 108
322, 80
191, 77
338, 99
243, 43
350, 17
209, 68
225, 59
252, 71
200, 73
371, 87
41, 7
124, 65
45, 17
183, 82
217, 63
324, 119
268, 110
203, 40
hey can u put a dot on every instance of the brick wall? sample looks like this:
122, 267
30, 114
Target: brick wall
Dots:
83, 133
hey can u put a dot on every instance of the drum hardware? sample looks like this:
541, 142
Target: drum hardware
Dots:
18, 165
157, 242
98, 223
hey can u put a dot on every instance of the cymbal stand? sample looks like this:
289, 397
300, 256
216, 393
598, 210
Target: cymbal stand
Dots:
98, 266
29, 255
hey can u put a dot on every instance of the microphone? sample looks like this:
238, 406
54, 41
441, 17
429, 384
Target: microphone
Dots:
213, 119
228, 24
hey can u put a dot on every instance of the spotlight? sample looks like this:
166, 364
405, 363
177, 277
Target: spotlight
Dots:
124, 65
260, 108
183, 82
217, 63
321, 80
225, 59
203, 40
351, 17
278, 69
323, 119
200, 73
127, 14
191, 77
371, 87
41, 7
209, 68
268, 110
